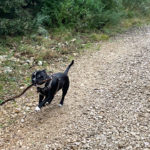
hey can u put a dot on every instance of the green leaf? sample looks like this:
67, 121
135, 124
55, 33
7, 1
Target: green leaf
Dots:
1, 101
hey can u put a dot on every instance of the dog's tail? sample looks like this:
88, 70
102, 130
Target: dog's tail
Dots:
67, 69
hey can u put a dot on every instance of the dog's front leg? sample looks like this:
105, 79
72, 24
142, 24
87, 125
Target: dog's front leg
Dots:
41, 97
41, 104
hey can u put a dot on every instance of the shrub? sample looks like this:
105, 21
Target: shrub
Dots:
81, 13
19, 16
134, 6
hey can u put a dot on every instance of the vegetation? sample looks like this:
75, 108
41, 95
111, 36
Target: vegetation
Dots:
54, 28
21, 16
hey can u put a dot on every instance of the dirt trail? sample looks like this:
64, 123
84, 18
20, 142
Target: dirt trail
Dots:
107, 106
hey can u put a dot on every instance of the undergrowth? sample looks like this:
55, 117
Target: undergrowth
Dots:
22, 55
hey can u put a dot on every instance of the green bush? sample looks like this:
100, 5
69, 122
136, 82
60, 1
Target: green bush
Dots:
81, 13
20, 16
13, 19
137, 6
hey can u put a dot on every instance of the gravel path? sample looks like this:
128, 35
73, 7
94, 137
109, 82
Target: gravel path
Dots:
107, 106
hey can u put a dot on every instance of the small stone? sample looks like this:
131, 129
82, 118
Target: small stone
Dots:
21, 87
120, 146
73, 40
30, 62
24, 113
17, 111
77, 143
7, 70
40, 63
3, 57
27, 108
75, 54
1, 113
147, 144
22, 120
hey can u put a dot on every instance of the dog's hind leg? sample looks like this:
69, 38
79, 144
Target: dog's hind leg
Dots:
64, 92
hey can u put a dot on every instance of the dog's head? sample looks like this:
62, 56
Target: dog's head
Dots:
38, 77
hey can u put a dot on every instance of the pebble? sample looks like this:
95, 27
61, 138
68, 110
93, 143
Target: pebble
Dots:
22, 120
3, 57
40, 63
27, 108
8, 69
17, 110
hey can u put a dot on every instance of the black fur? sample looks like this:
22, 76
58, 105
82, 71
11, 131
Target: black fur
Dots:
47, 93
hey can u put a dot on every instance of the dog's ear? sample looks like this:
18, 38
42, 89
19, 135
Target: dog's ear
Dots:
44, 70
34, 73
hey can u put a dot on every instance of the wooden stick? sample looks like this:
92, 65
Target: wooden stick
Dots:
17, 96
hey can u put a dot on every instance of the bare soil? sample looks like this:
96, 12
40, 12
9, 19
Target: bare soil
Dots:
107, 106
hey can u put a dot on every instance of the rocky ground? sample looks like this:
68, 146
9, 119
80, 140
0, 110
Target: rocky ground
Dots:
107, 106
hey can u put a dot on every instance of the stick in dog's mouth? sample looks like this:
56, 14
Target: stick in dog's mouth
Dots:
17, 96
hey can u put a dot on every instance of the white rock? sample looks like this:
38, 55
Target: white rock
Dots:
73, 40
22, 120
29, 61
7, 69
147, 144
3, 57
21, 87
27, 108
40, 63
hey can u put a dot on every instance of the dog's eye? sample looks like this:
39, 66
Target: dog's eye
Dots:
40, 77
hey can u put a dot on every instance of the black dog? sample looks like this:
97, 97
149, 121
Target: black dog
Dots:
51, 85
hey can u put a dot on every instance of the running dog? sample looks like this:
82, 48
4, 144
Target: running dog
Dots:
48, 86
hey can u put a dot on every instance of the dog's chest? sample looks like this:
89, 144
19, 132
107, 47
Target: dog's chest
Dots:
41, 86
45, 85
45, 88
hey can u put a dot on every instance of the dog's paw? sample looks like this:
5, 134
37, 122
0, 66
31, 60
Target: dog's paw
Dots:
60, 105
46, 103
37, 109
